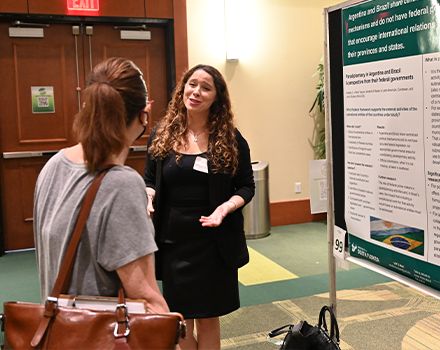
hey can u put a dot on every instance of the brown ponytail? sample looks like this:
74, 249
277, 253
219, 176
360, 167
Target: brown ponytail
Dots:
116, 93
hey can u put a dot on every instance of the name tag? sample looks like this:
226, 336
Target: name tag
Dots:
201, 164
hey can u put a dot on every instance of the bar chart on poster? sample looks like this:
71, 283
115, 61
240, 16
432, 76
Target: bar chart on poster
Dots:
391, 94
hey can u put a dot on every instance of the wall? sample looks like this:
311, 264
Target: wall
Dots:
272, 86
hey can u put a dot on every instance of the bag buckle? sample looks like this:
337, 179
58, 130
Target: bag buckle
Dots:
127, 326
122, 306
181, 331
127, 329
52, 300
49, 311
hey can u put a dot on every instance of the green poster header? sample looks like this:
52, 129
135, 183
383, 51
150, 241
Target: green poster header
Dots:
382, 30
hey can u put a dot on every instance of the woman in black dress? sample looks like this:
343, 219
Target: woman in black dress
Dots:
199, 175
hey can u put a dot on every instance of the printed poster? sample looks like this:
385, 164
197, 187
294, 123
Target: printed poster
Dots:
392, 135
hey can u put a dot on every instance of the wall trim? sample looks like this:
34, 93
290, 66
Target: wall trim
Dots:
293, 212
180, 37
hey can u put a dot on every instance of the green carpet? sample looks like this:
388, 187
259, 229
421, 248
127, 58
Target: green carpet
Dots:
19, 278
302, 249
374, 312
388, 316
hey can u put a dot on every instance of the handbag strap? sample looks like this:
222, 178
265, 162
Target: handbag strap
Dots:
63, 278
280, 330
66, 269
334, 329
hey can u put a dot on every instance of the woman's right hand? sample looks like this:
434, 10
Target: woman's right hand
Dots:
150, 194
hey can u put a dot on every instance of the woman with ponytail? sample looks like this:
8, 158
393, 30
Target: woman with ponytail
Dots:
118, 240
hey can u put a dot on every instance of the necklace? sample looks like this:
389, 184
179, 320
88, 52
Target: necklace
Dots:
196, 137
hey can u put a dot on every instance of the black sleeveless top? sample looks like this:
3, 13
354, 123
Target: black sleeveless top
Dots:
186, 198
183, 185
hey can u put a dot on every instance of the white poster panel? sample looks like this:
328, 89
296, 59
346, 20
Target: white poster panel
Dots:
385, 147
318, 186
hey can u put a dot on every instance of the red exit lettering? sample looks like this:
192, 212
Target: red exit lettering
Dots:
83, 5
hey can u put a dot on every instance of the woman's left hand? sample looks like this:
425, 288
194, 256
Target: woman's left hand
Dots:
216, 218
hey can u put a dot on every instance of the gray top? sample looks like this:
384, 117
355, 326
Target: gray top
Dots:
118, 229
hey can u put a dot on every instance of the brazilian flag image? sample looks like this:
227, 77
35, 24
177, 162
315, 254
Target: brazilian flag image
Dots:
397, 235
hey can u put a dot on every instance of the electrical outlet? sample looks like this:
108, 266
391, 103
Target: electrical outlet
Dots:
298, 187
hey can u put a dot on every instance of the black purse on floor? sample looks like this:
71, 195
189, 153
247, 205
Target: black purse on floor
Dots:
303, 336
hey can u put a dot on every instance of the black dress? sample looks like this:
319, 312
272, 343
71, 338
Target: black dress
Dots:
195, 279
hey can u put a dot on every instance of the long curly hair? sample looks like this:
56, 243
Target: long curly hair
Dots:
222, 146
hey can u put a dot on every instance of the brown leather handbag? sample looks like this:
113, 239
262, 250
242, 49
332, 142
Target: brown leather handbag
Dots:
50, 326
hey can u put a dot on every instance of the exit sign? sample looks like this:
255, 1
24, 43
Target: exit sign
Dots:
83, 5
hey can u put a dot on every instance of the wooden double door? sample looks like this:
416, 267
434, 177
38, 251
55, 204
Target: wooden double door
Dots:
59, 63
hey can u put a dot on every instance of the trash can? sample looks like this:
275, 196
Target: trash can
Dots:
256, 212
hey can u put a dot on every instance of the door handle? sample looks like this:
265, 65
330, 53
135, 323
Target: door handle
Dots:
139, 148
141, 26
26, 24
75, 32
30, 154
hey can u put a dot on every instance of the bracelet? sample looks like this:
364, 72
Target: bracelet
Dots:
235, 205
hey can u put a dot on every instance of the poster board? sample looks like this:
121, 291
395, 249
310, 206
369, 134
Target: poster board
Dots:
318, 186
383, 76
